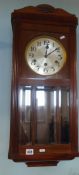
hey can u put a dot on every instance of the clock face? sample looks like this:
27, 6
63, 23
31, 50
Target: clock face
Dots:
45, 55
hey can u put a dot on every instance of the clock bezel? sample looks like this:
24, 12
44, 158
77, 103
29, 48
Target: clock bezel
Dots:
64, 53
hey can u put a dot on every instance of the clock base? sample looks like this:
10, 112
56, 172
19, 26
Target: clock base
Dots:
41, 163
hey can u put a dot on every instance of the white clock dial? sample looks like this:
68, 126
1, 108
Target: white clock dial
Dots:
45, 55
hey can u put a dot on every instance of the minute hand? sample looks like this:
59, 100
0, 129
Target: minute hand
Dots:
52, 51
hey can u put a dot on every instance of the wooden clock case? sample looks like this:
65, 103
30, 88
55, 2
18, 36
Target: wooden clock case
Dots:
28, 23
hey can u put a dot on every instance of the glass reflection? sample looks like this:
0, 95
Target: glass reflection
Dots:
52, 115
27, 98
40, 98
25, 114
49, 121
20, 97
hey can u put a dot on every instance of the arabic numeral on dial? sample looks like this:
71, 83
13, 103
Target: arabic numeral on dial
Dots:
38, 67
31, 55
53, 68
57, 63
45, 70
58, 49
53, 44
33, 62
33, 48
59, 57
46, 42
38, 43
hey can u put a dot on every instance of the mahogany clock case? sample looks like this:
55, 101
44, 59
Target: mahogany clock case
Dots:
47, 143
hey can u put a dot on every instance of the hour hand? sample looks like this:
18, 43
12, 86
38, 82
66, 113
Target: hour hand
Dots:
45, 54
47, 47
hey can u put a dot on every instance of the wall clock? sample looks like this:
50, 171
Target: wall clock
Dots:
43, 97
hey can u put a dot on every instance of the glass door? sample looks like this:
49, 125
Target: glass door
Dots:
44, 115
